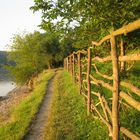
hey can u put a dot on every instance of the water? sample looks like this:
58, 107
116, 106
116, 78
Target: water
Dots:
5, 87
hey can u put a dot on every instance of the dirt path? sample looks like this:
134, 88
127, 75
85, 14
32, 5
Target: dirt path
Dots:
38, 126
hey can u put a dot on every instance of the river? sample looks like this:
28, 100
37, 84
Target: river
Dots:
6, 84
6, 87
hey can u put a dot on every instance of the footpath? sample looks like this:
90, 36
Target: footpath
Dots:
38, 125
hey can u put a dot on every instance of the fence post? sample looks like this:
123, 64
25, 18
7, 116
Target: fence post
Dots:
73, 67
67, 63
115, 101
70, 64
88, 82
122, 53
64, 63
79, 71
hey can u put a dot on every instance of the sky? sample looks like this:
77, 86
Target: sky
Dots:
16, 17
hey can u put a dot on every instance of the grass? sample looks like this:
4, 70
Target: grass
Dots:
129, 117
23, 113
68, 117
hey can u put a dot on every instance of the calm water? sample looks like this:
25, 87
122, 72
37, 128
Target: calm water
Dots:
5, 87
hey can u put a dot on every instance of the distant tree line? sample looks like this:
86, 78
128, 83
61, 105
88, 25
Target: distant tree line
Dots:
33, 52
3, 58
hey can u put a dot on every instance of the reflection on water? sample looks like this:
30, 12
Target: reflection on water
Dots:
5, 87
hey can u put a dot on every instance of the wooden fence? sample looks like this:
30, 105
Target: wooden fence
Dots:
94, 85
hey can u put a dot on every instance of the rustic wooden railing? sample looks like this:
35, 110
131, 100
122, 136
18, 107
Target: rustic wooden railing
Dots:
83, 67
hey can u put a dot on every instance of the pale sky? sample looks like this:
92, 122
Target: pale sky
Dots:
16, 17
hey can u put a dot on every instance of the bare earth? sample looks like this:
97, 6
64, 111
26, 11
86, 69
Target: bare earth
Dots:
38, 126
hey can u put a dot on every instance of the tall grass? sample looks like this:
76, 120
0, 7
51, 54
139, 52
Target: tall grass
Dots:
68, 118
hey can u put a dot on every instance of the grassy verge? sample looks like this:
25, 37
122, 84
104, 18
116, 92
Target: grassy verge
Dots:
23, 113
68, 119
129, 116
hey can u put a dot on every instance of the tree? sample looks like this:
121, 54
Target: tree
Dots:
89, 19
32, 53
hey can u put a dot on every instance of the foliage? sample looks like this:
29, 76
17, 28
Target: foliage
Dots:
32, 53
86, 20
68, 119
23, 113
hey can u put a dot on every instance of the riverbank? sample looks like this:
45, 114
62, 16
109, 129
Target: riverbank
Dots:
22, 108
11, 99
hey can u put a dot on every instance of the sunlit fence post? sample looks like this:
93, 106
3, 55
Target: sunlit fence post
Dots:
73, 67
70, 64
88, 82
64, 64
115, 100
122, 53
79, 71
67, 63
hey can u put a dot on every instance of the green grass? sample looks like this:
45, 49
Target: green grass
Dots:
129, 117
23, 113
68, 118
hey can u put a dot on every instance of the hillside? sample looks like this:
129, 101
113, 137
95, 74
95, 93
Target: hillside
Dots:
3, 57
3, 61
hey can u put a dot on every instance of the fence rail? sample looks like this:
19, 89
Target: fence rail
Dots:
83, 66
